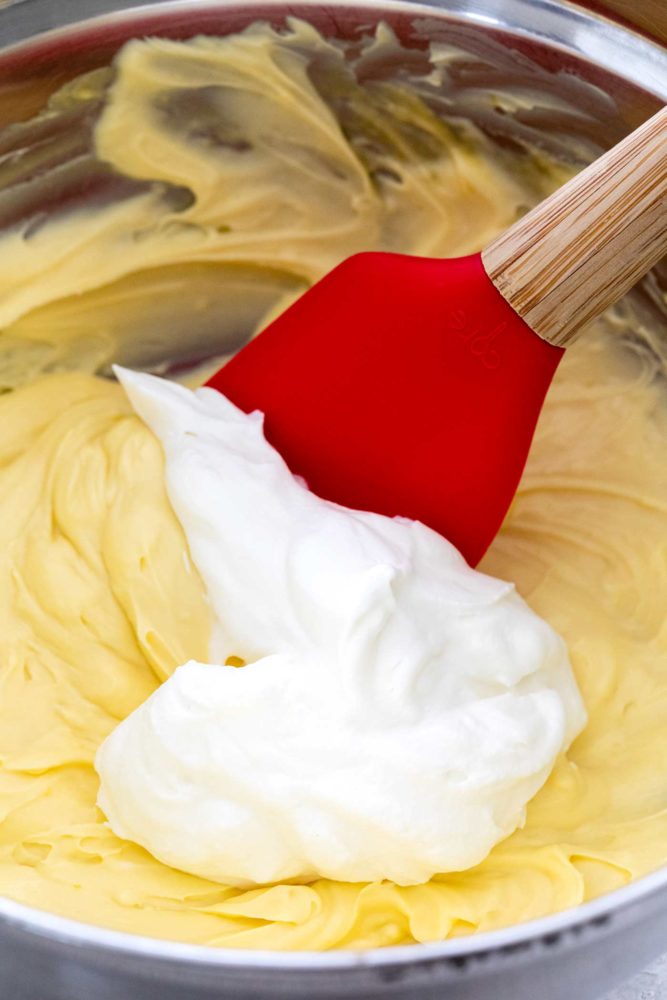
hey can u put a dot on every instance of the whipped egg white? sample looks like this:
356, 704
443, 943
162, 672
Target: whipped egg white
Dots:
396, 709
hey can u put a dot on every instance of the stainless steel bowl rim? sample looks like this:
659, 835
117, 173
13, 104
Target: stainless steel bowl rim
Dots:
559, 24
590, 915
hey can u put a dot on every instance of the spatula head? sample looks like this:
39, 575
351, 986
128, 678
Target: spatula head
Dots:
402, 385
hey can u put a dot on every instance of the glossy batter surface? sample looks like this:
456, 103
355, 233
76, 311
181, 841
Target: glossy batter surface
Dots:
99, 600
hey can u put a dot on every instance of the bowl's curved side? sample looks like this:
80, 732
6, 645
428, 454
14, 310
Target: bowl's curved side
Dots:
578, 953
561, 25
584, 31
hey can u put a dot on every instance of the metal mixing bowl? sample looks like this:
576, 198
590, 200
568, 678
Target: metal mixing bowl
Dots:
575, 955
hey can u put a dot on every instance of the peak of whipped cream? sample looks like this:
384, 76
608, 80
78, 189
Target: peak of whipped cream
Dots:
396, 711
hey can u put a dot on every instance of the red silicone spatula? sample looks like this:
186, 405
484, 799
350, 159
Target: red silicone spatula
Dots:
411, 386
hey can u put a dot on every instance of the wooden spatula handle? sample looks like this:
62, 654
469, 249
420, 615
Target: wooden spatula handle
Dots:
579, 251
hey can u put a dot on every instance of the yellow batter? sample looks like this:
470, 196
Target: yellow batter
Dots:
99, 601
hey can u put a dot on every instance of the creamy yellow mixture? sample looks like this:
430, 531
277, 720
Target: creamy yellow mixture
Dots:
273, 162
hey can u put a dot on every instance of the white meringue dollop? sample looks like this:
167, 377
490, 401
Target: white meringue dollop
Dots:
396, 711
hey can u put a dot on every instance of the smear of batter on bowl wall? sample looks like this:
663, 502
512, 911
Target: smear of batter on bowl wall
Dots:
288, 165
